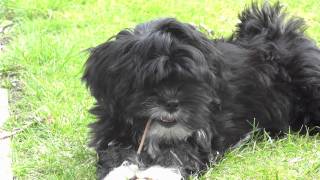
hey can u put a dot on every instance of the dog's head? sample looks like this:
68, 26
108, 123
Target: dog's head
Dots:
162, 70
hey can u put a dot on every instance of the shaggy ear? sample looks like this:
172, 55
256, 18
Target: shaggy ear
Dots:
109, 70
94, 75
96, 78
109, 74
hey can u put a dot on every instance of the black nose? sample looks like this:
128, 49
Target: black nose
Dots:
172, 105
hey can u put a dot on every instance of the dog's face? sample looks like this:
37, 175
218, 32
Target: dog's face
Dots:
159, 71
177, 107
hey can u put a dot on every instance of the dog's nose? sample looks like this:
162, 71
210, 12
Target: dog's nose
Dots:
172, 105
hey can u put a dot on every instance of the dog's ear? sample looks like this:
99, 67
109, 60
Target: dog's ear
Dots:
109, 74
109, 70
93, 73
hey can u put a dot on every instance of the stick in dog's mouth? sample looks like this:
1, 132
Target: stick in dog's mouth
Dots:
146, 129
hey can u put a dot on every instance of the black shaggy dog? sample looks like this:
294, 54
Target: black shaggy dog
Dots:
201, 96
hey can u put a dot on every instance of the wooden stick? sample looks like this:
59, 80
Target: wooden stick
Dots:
144, 136
5, 135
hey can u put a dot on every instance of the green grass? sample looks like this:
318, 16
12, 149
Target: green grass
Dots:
46, 56
293, 157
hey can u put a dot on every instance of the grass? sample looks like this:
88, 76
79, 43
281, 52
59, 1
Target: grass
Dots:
293, 157
43, 64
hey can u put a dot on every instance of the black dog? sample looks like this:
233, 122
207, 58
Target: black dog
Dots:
201, 96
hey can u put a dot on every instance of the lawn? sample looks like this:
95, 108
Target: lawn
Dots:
43, 63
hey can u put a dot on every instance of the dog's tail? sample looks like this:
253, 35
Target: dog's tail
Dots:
267, 21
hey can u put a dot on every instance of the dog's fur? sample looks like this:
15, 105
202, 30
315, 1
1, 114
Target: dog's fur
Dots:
203, 96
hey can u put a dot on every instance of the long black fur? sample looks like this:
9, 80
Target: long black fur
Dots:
266, 75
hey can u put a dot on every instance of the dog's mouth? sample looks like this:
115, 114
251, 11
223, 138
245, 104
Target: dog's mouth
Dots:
167, 120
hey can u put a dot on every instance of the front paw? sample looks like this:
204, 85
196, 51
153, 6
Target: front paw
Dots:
125, 171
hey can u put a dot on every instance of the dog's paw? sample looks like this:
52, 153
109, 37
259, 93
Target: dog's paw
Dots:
124, 172
159, 173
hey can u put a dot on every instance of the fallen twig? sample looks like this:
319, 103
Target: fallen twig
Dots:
5, 134
2, 29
